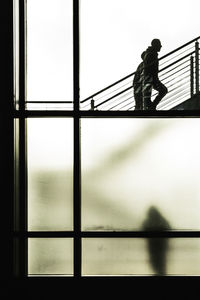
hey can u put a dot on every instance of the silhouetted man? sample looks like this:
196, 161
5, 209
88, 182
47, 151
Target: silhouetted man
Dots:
146, 79
151, 80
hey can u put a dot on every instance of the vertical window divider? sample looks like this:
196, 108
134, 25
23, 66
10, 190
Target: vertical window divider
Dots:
22, 144
7, 143
77, 162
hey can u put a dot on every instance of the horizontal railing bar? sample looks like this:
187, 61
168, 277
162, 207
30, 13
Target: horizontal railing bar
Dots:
115, 99
126, 102
107, 87
180, 59
186, 50
170, 100
173, 94
177, 90
176, 102
114, 96
117, 106
182, 97
154, 93
178, 65
187, 66
131, 107
125, 105
113, 91
114, 102
88, 104
172, 80
121, 102
177, 81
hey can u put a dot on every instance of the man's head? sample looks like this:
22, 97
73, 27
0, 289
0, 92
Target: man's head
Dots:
156, 44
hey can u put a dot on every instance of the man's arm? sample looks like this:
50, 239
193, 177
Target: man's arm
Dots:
151, 63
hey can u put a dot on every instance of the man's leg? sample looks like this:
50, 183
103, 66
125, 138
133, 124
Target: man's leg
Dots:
147, 89
138, 101
162, 91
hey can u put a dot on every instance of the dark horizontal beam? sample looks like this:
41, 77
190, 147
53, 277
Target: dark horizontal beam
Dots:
110, 114
110, 234
141, 234
43, 113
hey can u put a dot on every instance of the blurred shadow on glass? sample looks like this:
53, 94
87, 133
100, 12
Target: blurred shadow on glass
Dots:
157, 247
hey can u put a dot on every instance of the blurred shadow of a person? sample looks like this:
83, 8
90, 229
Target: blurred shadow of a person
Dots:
157, 247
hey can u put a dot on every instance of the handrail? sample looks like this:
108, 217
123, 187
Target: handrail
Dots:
126, 77
130, 87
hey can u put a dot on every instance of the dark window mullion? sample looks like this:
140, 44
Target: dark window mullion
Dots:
77, 166
6, 133
22, 146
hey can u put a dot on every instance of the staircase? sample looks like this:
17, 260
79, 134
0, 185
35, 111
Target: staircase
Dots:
178, 70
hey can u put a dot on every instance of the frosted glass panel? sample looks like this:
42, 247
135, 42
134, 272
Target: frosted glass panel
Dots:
50, 256
49, 50
50, 186
139, 256
136, 169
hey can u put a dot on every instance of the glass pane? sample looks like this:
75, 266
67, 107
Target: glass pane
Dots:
50, 256
50, 186
133, 168
111, 50
140, 256
49, 52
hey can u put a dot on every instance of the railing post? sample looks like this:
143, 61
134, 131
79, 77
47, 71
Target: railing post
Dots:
197, 65
191, 76
92, 104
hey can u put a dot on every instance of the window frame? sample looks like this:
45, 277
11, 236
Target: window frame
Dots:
17, 231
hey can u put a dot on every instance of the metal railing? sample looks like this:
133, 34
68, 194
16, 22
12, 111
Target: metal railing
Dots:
178, 70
